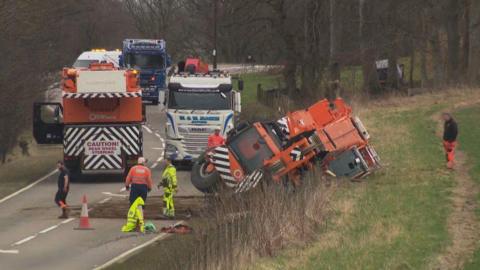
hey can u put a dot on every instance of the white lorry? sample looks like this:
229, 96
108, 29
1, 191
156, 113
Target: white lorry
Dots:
196, 105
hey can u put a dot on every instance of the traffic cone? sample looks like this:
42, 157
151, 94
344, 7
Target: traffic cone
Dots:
84, 221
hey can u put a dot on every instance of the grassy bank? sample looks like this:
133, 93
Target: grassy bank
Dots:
469, 119
395, 219
20, 170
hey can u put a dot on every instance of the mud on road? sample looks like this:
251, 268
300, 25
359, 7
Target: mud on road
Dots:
186, 207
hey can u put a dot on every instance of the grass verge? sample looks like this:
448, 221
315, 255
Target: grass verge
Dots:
468, 119
397, 218
21, 170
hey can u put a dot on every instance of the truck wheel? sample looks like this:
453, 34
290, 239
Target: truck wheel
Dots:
201, 179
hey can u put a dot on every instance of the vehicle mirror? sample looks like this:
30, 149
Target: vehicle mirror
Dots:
240, 85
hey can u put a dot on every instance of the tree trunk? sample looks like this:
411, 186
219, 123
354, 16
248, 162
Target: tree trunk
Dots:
474, 51
370, 77
453, 40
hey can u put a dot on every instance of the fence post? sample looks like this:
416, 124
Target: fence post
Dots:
259, 93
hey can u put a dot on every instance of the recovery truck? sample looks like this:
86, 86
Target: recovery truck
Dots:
326, 133
197, 104
150, 58
99, 122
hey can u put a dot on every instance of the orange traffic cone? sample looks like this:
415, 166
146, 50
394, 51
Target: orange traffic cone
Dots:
84, 221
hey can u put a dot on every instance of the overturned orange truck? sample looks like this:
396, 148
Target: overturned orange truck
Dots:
326, 133
99, 121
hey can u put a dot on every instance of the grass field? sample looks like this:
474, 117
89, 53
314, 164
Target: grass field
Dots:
395, 219
21, 170
469, 118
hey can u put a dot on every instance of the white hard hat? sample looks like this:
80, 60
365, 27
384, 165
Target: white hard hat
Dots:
141, 160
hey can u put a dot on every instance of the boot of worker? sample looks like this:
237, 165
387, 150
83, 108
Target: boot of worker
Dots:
64, 214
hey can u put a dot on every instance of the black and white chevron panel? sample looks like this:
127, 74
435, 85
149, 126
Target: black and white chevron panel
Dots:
221, 161
102, 162
282, 123
130, 137
296, 154
101, 95
251, 181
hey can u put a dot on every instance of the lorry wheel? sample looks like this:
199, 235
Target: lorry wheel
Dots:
201, 179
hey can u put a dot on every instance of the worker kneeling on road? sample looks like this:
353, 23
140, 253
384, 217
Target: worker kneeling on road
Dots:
139, 181
135, 217
169, 184
215, 139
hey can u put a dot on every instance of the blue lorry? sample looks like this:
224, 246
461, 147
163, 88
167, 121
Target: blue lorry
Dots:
150, 58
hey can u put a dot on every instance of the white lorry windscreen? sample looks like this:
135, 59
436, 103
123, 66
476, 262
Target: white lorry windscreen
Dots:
192, 100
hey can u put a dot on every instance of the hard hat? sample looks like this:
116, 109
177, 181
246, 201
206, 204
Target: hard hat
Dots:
150, 227
141, 160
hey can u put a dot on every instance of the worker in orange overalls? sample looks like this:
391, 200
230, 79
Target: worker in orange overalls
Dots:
139, 181
450, 133
215, 139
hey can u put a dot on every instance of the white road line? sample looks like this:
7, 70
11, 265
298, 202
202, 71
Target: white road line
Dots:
158, 135
10, 251
49, 229
114, 195
147, 129
28, 187
105, 200
123, 189
154, 165
159, 159
157, 148
67, 221
24, 240
135, 249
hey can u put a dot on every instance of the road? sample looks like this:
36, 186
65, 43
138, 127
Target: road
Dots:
33, 238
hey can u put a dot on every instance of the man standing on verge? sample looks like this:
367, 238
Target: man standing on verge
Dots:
450, 133
169, 184
63, 187
139, 181
215, 139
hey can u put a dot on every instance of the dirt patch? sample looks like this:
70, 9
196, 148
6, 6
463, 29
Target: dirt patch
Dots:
463, 224
185, 207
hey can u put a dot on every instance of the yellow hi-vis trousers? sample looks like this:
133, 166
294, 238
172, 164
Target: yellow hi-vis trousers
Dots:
135, 217
169, 209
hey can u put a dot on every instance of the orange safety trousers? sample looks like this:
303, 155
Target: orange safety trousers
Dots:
450, 152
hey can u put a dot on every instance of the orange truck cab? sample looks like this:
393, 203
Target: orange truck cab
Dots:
99, 121
326, 133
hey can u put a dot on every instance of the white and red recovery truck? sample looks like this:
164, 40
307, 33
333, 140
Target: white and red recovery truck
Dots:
99, 122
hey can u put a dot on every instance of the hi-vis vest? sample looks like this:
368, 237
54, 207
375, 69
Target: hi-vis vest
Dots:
170, 176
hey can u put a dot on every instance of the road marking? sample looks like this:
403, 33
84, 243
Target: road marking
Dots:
105, 200
10, 251
49, 228
67, 221
147, 129
159, 159
135, 249
114, 195
158, 135
123, 189
154, 166
157, 148
28, 187
24, 240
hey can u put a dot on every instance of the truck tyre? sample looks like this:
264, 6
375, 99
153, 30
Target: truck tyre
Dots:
203, 181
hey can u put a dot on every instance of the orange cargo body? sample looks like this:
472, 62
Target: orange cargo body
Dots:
102, 110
